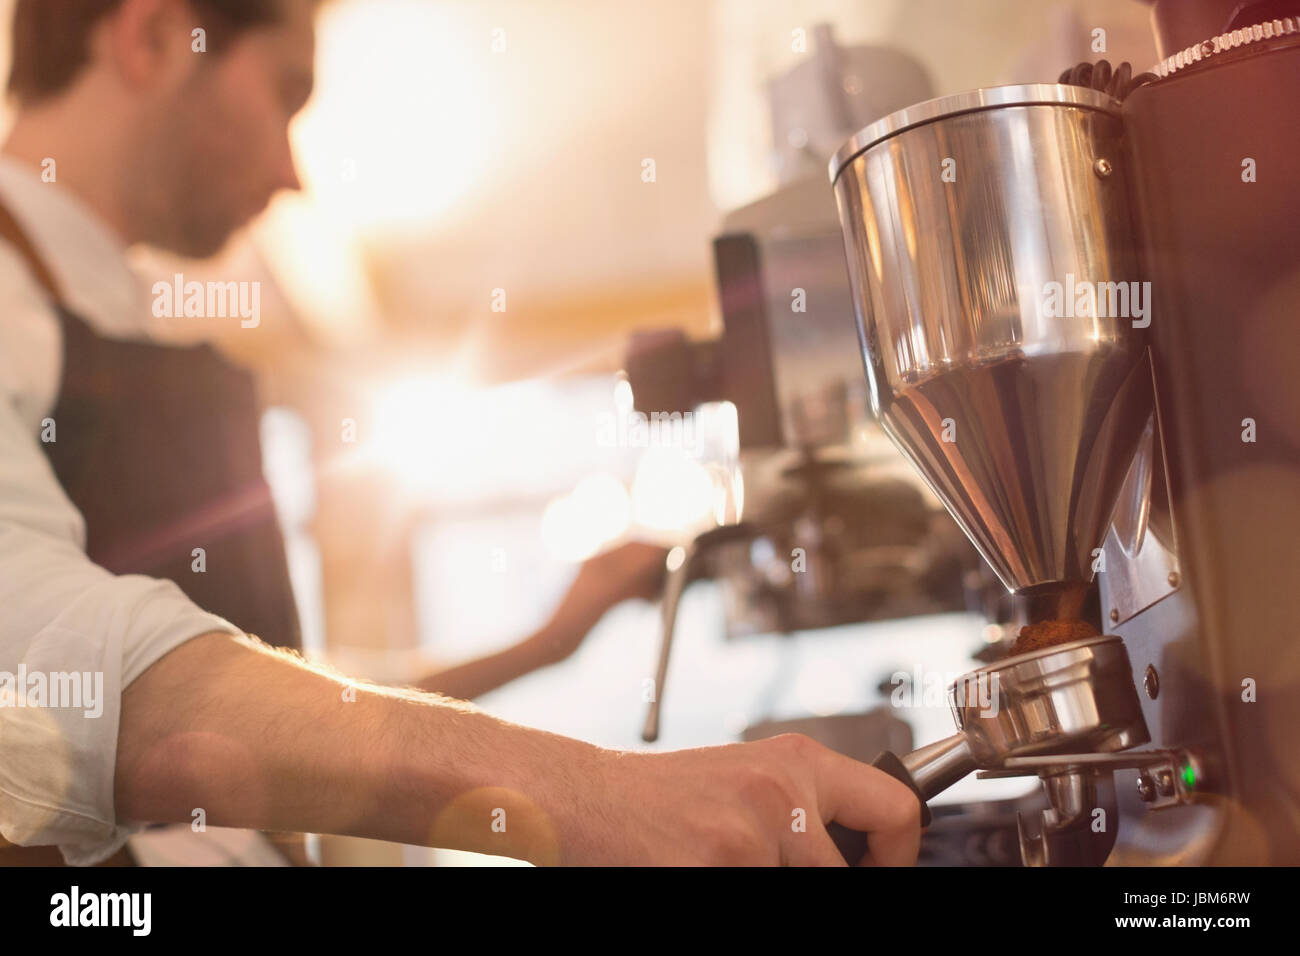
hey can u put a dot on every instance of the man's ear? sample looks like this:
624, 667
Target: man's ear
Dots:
147, 43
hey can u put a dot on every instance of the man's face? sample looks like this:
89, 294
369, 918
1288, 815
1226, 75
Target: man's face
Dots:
214, 150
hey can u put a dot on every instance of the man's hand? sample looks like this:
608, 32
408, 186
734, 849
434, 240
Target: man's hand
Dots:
761, 803
632, 570
629, 571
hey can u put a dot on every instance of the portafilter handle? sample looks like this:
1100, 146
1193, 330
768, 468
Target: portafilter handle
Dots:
673, 588
675, 584
927, 772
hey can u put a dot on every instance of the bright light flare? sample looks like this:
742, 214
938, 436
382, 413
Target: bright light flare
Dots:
596, 513
400, 128
422, 426
673, 492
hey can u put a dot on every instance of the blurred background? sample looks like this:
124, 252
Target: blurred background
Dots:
498, 194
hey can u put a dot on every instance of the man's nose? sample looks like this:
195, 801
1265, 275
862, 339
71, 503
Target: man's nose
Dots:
289, 178
287, 169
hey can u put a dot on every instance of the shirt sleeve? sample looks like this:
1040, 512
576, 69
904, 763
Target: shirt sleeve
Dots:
72, 637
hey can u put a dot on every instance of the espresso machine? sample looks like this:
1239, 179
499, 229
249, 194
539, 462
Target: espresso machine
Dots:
1076, 306
835, 529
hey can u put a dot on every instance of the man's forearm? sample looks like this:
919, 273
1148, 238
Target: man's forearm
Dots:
256, 739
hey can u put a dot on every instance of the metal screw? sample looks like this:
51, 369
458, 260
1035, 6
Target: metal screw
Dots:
1114, 615
1146, 789
1173, 579
1103, 167
1151, 682
1165, 782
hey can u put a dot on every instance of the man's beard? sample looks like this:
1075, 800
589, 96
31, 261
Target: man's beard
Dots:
200, 235
179, 205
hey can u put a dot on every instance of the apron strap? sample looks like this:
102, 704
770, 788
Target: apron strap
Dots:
14, 234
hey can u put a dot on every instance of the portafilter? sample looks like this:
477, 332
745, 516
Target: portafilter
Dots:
1074, 698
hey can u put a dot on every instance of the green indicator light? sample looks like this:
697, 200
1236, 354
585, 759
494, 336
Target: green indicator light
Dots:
1189, 777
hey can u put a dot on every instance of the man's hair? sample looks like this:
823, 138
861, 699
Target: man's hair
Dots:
51, 38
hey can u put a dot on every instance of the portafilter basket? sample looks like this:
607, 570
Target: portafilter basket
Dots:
1073, 698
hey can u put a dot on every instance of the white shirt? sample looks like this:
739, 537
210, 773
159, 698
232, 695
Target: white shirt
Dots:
58, 611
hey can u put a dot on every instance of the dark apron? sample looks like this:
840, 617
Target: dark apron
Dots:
159, 449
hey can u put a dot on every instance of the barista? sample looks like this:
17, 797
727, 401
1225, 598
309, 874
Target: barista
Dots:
156, 144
